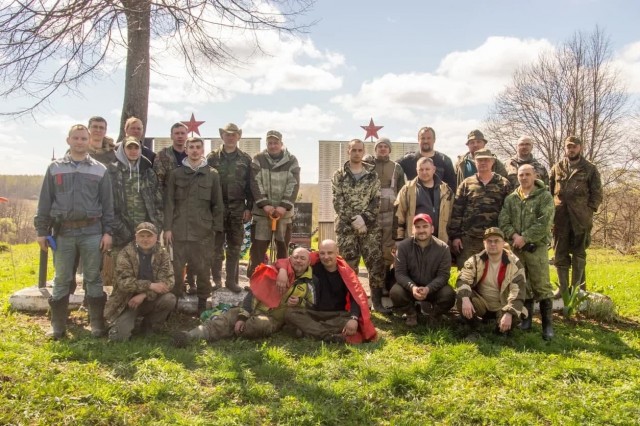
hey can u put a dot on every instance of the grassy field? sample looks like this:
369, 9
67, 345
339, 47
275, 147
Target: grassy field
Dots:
589, 374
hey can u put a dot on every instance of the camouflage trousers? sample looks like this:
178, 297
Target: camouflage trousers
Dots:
198, 255
403, 300
385, 221
536, 267
153, 313
318, 324
255, 327
470, 246
233, 235
352, 246
482, 310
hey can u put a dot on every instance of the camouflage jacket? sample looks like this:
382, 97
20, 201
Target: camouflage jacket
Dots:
274, 182
477, 206
514, 164
106, 154
193, 203
353, 197
530, 217
127, 283
512, 288
235, 178
391, 179
577, 193
150, 197
465, 164
163, 164
406, 208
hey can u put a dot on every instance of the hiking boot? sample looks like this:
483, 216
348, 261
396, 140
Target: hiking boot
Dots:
182, 339
411, 321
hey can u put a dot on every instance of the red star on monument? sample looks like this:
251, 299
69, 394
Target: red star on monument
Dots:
372, 130
192, 125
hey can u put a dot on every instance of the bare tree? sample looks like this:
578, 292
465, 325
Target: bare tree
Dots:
48, 46
572, 90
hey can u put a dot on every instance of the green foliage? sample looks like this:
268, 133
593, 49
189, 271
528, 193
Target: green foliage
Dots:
600, 309
572, 298
589, 374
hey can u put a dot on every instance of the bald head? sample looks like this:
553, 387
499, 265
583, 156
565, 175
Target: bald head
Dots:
526, 176
328, 251
299, 260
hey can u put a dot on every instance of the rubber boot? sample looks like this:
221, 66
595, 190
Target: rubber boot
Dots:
59, 315
546, 312
577, 273
95, 305
525, 325
376, 300
182, 338
563, 282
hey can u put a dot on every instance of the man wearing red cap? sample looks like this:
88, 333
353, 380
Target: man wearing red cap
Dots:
423, 267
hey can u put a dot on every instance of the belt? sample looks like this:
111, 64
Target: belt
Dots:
74, 224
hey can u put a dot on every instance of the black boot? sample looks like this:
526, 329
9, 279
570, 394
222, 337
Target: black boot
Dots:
59, 315
376, 300
525, 325
182, 338
546, 312
95, 305
563, 282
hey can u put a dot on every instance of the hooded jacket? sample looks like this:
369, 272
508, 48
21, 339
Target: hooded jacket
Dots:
146, 184
530, 217
274, 182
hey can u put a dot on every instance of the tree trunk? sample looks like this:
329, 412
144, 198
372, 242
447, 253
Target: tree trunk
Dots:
136, 86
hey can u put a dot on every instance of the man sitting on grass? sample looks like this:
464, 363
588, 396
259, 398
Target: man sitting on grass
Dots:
340, 311
492, 284
255, 319
144, 279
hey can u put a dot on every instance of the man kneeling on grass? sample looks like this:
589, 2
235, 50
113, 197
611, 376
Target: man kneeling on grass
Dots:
259, 316
340, 310
144, 279
492, 284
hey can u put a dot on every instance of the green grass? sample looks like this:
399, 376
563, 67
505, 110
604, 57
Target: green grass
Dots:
589, 374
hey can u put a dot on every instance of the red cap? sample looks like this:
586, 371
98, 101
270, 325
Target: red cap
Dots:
423, 216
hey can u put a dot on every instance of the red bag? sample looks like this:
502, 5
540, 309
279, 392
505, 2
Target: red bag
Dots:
263, 285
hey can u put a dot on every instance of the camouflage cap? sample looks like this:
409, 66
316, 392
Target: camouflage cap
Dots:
493, 231
385, 141
230, 128
573, 140
483, 153
131, 140
274, 134
146, 227
476, 134
423, 216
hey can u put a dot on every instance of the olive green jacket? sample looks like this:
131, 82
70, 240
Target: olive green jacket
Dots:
530, 217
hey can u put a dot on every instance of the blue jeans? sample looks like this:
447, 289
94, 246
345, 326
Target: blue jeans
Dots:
64, 256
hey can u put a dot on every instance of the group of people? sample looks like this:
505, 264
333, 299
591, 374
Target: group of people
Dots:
496, 220
407, 220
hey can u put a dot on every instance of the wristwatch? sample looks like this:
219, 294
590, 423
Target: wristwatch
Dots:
354, 317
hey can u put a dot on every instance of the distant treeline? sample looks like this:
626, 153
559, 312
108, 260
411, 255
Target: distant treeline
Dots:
20, 186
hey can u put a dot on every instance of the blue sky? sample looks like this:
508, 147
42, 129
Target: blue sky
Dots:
406, 64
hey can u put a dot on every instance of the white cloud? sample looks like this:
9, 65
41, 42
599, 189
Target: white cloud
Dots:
308, 118
462, 79
628, 63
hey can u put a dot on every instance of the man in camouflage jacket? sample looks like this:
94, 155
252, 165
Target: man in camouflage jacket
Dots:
477, 205
577, 193
526, 219
522, 157
466, 167
275, 181
234, 168
143, 285
171, 157
356, 201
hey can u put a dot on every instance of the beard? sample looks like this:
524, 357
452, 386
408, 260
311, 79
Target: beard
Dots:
574, 158
426, 148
